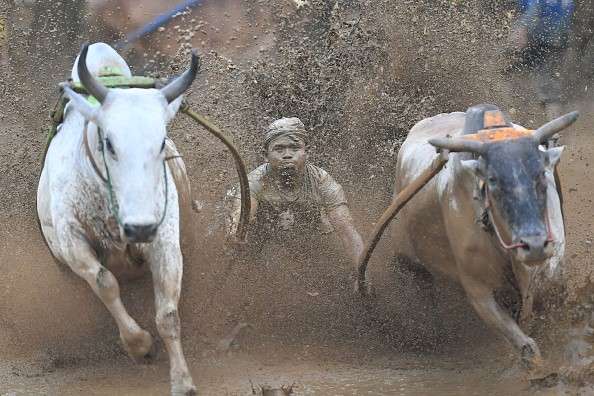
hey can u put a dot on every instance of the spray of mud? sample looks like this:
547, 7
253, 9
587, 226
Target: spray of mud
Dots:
359, 74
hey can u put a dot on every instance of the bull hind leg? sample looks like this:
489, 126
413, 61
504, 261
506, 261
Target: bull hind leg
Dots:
137, 342
484, 302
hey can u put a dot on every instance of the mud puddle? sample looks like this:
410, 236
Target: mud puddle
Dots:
242, 376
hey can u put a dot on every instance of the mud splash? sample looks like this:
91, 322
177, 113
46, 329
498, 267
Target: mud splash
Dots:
359, 75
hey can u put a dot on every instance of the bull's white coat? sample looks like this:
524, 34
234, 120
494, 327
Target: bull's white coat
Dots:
76, 217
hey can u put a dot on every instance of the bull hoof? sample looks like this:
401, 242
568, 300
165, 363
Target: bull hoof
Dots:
183, 387
193, 391
141, 347
530, 357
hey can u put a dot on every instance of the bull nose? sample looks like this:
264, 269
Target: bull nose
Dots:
535, 248
140, 232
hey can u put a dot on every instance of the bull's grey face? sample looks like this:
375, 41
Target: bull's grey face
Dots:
515, 178
133, 128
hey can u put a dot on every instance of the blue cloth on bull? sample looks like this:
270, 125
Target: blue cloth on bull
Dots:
548, 21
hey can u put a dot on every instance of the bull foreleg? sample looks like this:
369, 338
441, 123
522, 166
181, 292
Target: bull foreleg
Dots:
137, 342
167, 284
483, 301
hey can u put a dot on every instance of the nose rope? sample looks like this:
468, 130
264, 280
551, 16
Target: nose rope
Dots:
550, 236
487, 202
110, 189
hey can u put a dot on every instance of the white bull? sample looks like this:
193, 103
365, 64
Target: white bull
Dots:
491, 219
109, 198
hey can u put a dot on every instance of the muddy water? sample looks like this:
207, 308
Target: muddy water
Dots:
322, 381
414, 383
72, 343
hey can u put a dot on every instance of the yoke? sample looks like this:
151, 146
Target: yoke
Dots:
111, 77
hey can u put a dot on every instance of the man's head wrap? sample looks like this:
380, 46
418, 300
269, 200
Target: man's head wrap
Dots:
285, 127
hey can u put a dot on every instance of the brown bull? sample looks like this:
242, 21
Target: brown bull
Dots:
491, 219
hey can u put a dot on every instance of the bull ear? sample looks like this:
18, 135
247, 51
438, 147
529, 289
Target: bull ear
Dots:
81, 104
553, 156
472, 166
173, 107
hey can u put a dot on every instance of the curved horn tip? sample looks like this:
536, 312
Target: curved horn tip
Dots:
457, 144
568, 118
573, 115
179, 85
82, 55
195, 60
554, 126
435, 141
85, 46
92, 86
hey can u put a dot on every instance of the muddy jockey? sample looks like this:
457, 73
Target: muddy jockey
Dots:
287, 190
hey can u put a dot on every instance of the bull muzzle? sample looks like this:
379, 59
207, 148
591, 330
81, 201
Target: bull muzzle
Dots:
534, 249
138, 233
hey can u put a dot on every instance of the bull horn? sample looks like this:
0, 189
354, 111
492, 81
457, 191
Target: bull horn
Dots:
92, 86
543, 133
179, 85
457, 144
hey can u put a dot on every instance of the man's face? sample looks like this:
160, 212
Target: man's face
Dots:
287, 154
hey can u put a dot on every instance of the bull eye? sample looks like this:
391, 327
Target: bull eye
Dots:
109, 147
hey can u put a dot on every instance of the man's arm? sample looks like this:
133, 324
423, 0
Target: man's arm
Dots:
342, 222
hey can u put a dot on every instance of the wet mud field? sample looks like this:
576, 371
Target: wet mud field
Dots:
283, 312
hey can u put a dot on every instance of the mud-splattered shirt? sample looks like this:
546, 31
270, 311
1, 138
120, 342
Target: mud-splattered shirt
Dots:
318, 195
